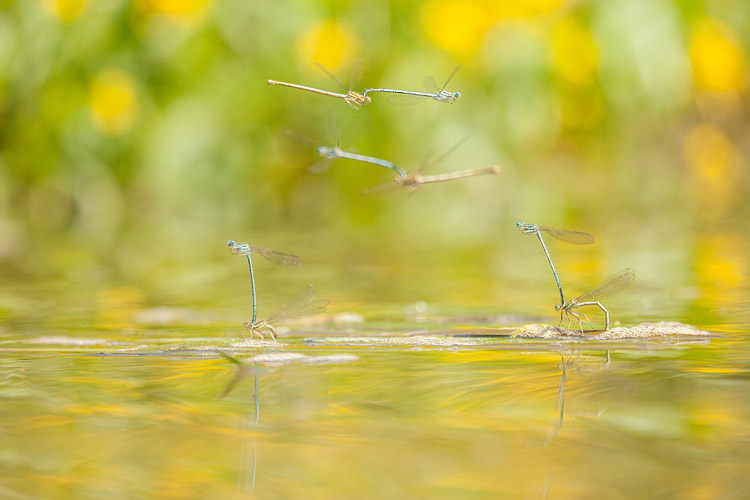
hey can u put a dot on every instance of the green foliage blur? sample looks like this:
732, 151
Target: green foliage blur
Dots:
145, 130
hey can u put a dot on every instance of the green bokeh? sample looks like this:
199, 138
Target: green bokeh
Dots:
205, 158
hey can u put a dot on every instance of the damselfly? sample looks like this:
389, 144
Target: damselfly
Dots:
415, 180
354, 99
574, 237
406, 97
301, 306
331, 153
612, 285
281, 258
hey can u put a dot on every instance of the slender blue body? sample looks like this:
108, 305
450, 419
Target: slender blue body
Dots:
252, 284
332, 153
281, 258
549, 259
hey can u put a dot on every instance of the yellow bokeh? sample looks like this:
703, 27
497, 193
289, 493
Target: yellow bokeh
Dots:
457, 26
718, 60
66, 10
714, 166
180, 10
722, 268
117, 306
525, 9
574, 53
329, 43
113, 101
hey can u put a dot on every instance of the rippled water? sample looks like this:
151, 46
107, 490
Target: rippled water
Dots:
486, 417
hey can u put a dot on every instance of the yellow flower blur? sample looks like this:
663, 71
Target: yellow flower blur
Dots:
718, 60
721, 268
182, 10
113, 101
713, 163
66, 10
574, 53
329, 43
457, 26
525, 9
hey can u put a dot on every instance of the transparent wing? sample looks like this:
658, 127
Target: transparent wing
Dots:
406, 99
382, 188
321, 166
281, 258
301, 306
610, 286
332, 128
574, 237
431, 85
450, 77
427, 166
303, 139
330, 75
355, 72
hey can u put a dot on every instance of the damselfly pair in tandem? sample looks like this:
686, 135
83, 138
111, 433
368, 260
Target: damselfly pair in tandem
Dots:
356, 100
607, 288
411, 181
302, 305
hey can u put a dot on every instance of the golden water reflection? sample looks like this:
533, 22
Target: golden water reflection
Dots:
432, 423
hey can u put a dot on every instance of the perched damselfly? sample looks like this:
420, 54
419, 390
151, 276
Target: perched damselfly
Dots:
301, 306
612, 285
281, 258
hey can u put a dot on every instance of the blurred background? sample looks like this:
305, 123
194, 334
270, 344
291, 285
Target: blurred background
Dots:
137, 137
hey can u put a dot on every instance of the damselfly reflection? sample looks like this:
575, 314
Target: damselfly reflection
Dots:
354, 99
302, 305
407, 97
245, 480
281, 258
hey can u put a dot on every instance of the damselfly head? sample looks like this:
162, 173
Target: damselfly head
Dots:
446, 96
231, 243
327, 152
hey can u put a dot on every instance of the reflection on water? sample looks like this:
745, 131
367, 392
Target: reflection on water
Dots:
248, 463
497, 418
